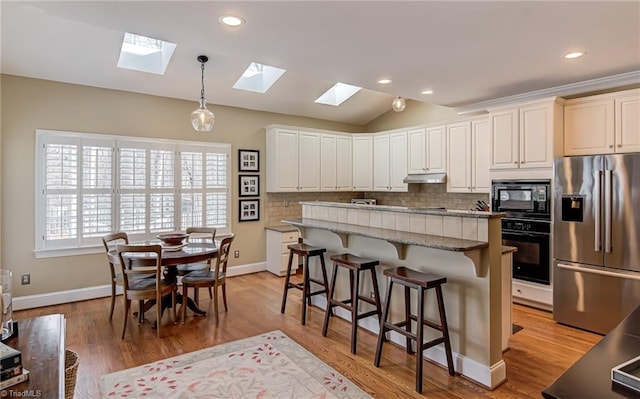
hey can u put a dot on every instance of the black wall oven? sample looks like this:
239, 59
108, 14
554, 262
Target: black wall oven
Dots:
527, 225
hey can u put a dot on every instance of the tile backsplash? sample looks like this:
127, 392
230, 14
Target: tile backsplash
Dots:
286, 205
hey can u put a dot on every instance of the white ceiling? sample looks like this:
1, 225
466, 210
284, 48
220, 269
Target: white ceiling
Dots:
467, 52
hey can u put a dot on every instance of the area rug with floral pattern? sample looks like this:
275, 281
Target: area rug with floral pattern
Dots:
270, 365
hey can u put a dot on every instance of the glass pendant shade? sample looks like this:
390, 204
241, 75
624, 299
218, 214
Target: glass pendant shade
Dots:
398, 104
202, 119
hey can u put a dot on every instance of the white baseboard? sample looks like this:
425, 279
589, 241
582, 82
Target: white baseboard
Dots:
101, 291
488, 376
247, 269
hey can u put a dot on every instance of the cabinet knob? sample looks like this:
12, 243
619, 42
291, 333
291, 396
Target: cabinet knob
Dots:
515, 162
522, 162
610, 146
619, 145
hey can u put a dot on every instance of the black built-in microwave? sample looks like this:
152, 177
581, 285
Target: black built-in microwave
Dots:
526, 199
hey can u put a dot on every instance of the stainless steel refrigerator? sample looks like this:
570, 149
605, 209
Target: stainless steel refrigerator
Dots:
596, 240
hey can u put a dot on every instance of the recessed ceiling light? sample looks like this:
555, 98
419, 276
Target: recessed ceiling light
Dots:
427, 92
384, 81
231, 20
574, 55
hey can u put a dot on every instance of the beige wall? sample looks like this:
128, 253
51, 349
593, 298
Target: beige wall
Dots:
28, 104
416, 113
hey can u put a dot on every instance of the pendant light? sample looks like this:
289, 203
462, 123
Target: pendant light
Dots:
398, 104
202, 119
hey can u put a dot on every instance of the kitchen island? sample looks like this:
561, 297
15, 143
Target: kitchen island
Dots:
464, 246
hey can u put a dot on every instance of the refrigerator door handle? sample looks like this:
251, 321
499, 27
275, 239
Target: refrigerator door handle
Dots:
603, 272
608, 247
597, 178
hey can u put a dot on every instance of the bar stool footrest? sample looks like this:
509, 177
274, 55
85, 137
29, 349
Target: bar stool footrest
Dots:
399, 330
434, 342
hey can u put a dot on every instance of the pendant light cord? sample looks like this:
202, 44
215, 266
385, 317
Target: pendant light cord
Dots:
202, 81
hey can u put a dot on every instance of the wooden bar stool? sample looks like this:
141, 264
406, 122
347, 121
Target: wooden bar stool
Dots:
355, 265
304, 252
420, 281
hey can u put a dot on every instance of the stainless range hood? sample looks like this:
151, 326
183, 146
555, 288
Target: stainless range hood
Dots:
426, 178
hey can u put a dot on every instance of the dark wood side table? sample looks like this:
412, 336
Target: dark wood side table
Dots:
42, 343
590, 376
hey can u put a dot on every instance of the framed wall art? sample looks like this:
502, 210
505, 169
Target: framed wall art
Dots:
249, 185
249, 160
249, 210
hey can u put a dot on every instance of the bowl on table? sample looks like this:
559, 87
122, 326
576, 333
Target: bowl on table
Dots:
172, 239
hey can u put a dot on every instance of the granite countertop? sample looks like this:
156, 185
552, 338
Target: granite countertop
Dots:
405, 209
282, 228
393, 236
507, 249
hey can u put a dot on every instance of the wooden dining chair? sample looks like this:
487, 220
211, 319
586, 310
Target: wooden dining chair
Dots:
141, 289
110, 241
197, 234
211, 278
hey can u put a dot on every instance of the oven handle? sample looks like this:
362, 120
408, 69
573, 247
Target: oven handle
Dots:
524, 234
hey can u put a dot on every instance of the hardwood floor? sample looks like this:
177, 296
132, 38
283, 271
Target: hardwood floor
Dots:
538, 354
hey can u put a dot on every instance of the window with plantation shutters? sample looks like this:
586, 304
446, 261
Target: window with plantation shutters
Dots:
90, 185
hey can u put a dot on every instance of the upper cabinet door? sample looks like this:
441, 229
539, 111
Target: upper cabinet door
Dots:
328, 162
480, 139
282, 160
309, 164
397, 161
589, 126
628, 122
381, 161
344, 163
459, 157
362, 162
504, 139
436, 149
536, 136
417, 151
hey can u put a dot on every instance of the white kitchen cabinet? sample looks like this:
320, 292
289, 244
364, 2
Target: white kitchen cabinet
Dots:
277, 251
602, 124
381, 162
459, 157
468, 156
282, 160
527, 136
427, 150
308, 161
390, 161
362, 162
335, 163
480, 153
344, 163
293, 160
627, 114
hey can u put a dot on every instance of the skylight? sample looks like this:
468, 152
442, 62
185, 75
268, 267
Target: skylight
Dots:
258, 78
145, 54
338, 94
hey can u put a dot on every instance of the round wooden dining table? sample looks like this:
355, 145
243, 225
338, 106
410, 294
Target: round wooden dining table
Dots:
191, 252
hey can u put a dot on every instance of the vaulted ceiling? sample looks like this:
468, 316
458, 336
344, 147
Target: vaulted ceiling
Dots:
466, 52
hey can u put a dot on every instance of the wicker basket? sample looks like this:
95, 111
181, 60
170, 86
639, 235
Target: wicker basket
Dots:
71, 361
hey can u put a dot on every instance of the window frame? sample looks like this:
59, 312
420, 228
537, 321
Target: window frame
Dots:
86, 244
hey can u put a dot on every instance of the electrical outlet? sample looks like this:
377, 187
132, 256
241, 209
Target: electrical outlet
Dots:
236, 254
25, 279
286, 204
